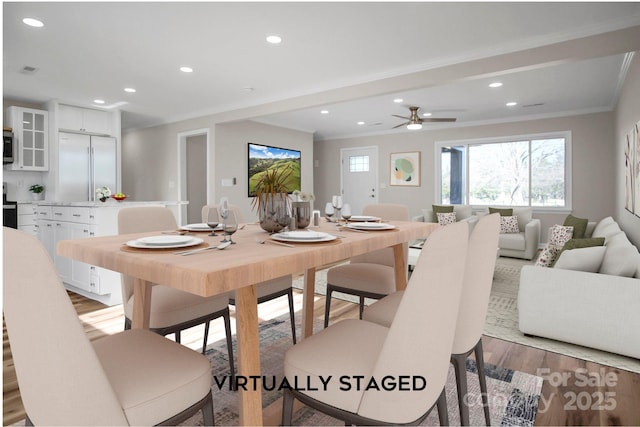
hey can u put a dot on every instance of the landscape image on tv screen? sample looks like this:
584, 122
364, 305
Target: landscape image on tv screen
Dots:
264, 157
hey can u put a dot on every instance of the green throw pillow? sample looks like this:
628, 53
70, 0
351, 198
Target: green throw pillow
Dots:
579, 226
440, 209
502, 211
579, 244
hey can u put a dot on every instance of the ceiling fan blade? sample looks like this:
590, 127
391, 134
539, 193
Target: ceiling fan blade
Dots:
442, 119
400, 117
400, 125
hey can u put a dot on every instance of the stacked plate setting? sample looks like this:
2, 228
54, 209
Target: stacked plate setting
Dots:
370, 226
164, 242
200, 227
303, 236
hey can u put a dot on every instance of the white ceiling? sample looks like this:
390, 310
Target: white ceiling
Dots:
352, 59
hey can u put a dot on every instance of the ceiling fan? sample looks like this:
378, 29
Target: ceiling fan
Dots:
415, 121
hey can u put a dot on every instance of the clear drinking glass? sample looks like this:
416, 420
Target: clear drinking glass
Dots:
213, 219
336, 202
328, 210
284, 217
230, 226
346, 212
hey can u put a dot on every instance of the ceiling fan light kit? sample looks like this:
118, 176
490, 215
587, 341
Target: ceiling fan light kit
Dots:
415, 122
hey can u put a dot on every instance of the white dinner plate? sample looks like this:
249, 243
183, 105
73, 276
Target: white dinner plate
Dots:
140, 243
304, 235
297, 236
371, 226
362, 218
199, 227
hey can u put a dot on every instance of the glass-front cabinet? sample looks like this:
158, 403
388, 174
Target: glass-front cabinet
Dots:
31, 138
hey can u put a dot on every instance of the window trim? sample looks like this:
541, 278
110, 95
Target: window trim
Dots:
568, 167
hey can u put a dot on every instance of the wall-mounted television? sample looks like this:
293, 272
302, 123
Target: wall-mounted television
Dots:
265, 157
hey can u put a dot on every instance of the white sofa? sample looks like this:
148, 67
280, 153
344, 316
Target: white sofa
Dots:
525, 243
590, 298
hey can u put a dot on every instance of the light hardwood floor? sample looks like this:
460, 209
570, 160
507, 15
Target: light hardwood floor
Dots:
560, 403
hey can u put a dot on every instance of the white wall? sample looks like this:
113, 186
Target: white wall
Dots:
592, 158
627, 115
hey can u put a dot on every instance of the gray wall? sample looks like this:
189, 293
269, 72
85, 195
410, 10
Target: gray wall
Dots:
150, 165
593, 162
627, 115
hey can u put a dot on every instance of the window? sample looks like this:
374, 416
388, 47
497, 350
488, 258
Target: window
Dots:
518, 171
359, 164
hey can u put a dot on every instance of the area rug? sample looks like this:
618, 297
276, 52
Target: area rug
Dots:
513, 395
502, 317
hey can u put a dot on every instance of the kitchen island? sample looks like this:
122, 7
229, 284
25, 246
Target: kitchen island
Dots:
58, 221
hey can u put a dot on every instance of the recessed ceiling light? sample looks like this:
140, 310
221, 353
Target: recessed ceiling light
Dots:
33, 22
274, 39
129, 89
98, 101
426, 114
324, 111
398, 100
186, 69
511, 104
495, 84
360, 123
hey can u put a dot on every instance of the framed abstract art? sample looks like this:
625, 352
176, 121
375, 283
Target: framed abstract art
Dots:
405, 169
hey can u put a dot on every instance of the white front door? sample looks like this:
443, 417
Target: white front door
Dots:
359, 177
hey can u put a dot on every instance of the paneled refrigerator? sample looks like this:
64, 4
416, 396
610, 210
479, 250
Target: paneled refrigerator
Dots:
86, 162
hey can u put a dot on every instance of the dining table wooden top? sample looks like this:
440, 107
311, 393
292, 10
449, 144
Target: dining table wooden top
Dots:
239, 267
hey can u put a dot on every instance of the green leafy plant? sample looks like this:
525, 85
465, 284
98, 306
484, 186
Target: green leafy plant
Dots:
272, 181
36, 188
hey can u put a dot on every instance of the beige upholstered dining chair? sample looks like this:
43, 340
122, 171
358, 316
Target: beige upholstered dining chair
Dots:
474, 303
370, 275
172, 310
417, 344
271, 289
131, 378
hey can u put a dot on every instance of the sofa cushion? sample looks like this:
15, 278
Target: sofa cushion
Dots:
581, 243
509, 224
579, 225
546, 257
440, 209
524, 214
586, 259
502, 211
446, 218
621, 257
514, 241
463, 211
559, 235
606, 228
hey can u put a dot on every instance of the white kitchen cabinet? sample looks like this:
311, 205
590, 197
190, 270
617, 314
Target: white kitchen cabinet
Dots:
31, 139
77, 119
56, 223
27, 218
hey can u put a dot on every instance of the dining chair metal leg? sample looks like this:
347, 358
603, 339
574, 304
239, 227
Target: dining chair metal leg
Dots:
483, 381
287, 407
459, 364
177, 335
292, 315
327, 305
361, 306
227, 328
443, 415
206, 336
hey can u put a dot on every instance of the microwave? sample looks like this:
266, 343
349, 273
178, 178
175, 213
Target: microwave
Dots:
7, 142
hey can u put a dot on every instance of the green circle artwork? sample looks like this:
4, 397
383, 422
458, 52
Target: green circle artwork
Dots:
404, 170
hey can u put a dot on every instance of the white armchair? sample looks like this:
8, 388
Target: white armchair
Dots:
523, 244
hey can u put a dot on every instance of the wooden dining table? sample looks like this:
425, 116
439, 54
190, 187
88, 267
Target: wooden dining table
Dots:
240, 267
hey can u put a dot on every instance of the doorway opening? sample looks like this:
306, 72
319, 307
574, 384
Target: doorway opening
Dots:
194, 174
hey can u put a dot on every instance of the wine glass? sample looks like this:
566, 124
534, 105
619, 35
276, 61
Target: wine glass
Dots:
336, 202
328, 211
284, 217
224, 208
212, 219
230, 226
346, 212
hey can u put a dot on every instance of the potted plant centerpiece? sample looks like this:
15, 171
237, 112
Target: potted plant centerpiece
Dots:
37, 191
271, 197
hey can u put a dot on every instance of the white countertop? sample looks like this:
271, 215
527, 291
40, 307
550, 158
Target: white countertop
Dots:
108, 204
